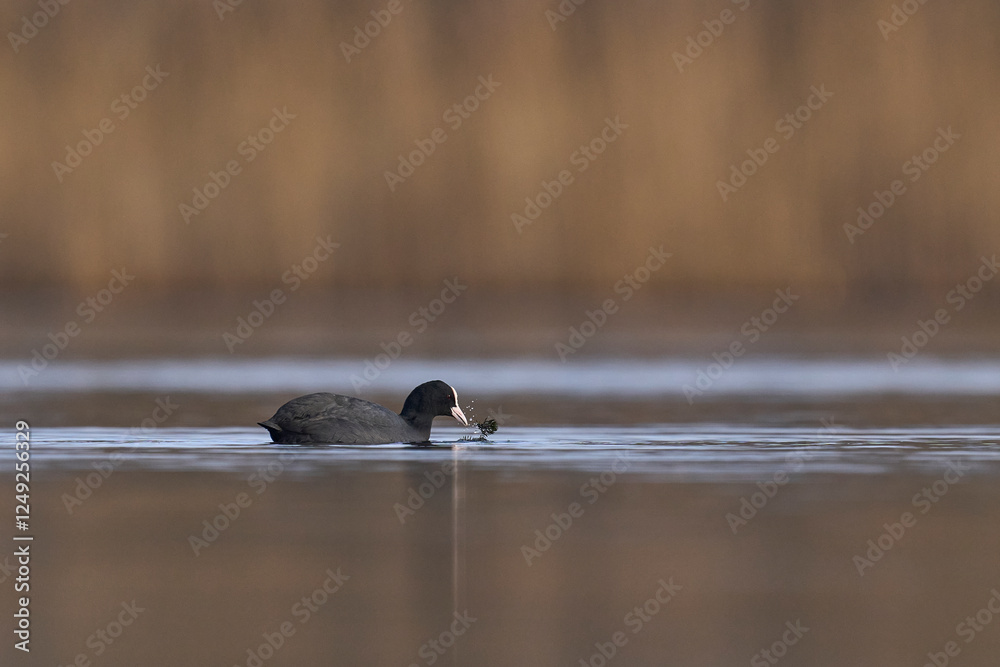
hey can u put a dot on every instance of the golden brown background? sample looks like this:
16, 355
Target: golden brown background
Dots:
655, 185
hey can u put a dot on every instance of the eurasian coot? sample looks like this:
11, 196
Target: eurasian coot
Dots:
332, 418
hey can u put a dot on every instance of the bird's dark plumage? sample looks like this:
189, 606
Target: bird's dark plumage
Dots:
333, 418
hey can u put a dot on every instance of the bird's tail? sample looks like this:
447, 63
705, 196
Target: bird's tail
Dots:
271, 427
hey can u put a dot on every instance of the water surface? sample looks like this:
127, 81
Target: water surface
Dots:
867, 520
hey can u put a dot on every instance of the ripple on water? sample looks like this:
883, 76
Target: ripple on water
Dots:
669, 452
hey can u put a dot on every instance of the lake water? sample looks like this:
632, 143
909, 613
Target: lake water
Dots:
798, 512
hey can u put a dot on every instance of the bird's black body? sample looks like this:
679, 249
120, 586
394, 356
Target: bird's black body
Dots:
337, 419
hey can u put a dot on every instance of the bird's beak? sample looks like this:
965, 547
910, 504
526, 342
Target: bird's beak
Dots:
459, 416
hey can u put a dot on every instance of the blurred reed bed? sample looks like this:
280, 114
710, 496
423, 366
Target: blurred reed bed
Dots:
324, 174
